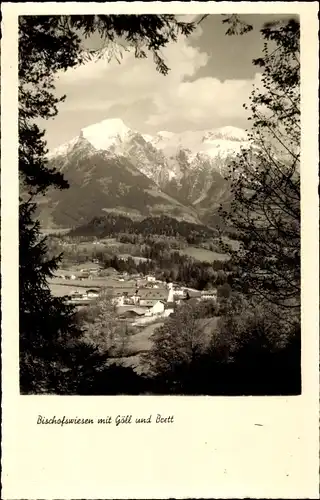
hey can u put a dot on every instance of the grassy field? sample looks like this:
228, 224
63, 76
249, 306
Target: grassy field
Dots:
139, 344
126, 256
203, 255
112, 242
61, 287
48, 231
61, 291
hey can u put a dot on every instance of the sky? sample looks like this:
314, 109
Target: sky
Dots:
210, 78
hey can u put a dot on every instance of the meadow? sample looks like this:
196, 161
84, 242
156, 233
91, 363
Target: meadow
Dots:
61, 287
203, 255
48, 231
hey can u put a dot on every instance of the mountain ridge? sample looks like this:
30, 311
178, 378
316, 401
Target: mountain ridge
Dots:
117, 168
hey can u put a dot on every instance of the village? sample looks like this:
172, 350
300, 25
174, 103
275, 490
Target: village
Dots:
137, 299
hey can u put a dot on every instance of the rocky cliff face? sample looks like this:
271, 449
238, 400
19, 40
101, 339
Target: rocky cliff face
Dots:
111, 167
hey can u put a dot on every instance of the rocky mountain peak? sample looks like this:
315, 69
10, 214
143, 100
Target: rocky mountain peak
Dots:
187, 166
106, 133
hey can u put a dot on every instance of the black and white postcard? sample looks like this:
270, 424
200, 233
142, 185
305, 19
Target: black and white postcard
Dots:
160, 250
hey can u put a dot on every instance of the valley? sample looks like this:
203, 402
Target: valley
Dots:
144, 270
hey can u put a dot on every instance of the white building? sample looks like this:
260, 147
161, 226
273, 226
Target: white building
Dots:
152, 307
209, 295
170, 297
91, 294
135, 298
151, 279
157, 308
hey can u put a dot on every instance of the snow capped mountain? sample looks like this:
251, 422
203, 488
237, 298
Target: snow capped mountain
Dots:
228, 133
106, 134
63, 149
187, 166
101, 136
226, 139
113, 135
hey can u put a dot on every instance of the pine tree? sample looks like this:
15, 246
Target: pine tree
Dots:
53, 356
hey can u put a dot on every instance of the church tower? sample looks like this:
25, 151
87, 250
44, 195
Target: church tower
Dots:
170, 293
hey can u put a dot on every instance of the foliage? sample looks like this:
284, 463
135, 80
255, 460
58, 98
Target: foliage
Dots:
236, 25
265, 212
179, 342
102, 329
151, 240
224, 290
258, 349
174, 267
237, 350
53, 357
112, 225
142, 33
44, 48
245, 321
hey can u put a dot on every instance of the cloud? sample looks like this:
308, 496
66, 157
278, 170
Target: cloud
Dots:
152, 100
203, 102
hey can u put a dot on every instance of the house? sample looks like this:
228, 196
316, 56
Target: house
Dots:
123, 295
84, 276
94, 274
193, 294
91, 293
209, 295
89, 267
157, 308
151, 279
130, 312
152, 294
135, 299
77, 296
148, 302
153, 307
